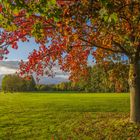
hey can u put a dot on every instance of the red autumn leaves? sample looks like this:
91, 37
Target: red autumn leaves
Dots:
14, 45
0, 8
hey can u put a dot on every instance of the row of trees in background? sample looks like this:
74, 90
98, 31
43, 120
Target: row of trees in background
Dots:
14, 83
100, 79
107, 78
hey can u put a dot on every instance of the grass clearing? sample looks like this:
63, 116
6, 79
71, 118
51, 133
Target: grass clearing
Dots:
68, 116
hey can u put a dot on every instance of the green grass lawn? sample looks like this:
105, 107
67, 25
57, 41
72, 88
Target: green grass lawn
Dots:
69, 116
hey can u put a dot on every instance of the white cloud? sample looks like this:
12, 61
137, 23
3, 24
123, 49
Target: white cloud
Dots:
11, 66
11, 60
62, 76
6, 70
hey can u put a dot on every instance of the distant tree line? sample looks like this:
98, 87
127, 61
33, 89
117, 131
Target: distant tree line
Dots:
14, 83
100, 78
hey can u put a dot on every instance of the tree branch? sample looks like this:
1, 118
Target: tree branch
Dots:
120, 46
98, 46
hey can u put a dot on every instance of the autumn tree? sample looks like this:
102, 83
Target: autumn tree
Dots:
105, 29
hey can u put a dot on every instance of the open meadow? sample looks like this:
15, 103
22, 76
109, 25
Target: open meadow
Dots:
66, 116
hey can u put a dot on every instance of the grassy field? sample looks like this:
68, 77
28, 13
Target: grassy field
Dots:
40, 116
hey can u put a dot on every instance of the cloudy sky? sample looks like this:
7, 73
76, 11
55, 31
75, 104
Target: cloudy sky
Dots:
10, 65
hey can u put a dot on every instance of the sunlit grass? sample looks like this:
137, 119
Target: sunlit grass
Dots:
65, 116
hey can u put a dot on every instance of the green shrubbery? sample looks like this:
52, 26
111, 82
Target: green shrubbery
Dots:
14, 83
46, 87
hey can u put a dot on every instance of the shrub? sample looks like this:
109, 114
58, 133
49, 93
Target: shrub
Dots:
14, 83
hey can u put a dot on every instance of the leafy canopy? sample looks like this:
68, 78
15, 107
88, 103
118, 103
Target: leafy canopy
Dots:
103, 29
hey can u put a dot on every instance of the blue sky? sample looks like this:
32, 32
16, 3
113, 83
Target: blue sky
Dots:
25, 48
23, 51
10, 66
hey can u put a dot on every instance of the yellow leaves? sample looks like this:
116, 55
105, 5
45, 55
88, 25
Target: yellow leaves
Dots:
75, 36
16, 12
65, 33
85, 1
99, 53
67, 21
1, 17
106, 41
11, 27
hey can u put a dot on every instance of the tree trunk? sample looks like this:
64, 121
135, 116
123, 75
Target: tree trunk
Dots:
134, 84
